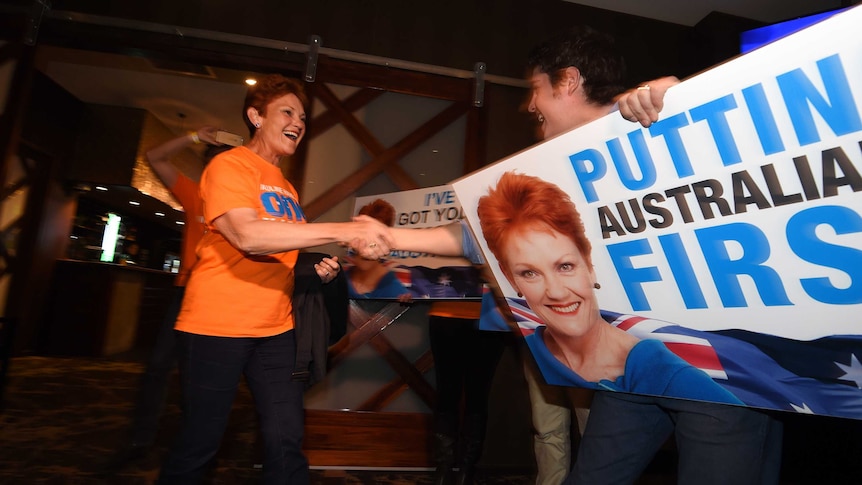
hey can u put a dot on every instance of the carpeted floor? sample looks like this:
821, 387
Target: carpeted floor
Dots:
64, 419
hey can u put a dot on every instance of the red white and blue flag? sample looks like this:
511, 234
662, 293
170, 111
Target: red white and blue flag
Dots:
822, 376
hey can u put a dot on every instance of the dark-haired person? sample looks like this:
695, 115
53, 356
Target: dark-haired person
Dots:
576, 77
237, 314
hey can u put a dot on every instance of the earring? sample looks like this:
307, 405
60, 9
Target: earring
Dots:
597, 286
257, 125
520, 295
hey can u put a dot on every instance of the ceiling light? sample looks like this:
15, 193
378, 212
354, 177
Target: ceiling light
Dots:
99, 187
134, 202
181, 223
160, 214
251, 81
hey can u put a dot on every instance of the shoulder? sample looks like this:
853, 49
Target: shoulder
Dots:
657, 370
239, 156
655, 351
232, 164
536, 342
650, 361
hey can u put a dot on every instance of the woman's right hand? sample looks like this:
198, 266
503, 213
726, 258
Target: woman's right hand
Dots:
369, 237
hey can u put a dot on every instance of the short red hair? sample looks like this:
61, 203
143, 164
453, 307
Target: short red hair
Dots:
380, 210
522, 201
268, 88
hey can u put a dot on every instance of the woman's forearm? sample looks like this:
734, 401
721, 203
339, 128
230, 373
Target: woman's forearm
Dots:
440, 240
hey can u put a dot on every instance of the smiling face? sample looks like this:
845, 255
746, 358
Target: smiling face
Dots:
555, 279
546, 102
558, 107
563, 105
282, 125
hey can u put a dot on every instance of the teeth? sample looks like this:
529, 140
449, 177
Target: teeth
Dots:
291, 134
566, 309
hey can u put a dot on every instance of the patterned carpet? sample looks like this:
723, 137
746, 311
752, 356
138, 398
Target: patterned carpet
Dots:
65, 418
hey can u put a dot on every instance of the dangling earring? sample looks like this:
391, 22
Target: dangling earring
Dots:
597, 286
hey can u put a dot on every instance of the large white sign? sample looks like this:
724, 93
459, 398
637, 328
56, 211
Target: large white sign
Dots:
740, 209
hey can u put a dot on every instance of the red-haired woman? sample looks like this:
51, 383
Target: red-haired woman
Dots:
237, 315
536, 233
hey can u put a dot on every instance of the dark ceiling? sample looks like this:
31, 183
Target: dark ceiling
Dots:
185, 96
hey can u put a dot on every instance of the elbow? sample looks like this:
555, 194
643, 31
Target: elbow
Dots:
244, 243
255, 251
243, 233
249, 247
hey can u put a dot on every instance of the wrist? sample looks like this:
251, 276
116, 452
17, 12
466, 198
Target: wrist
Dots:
193, 136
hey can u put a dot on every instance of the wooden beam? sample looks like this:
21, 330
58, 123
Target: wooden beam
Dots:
353, 126
159, 45
365, 138
246, 57
355, 101
366, 326
394, 388
404, 368
394, 80
400, 177
360, 177
351, 438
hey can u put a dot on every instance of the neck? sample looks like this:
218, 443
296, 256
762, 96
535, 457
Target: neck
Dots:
591, 112
599, 354
260, 148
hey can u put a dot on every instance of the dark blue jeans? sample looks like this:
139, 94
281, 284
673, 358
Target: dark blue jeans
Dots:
210, 370
154, 382
465, 359
718, 444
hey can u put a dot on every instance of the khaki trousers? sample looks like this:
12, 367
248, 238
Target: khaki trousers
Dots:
551, 408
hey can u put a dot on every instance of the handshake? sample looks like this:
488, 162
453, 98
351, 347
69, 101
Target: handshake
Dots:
368, 237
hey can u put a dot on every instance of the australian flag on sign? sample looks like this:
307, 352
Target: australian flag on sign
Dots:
822, 376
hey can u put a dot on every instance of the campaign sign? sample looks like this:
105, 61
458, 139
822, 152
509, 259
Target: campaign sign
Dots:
419, 275
730, 230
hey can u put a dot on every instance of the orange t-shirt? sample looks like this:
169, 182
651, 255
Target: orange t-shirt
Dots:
187, 192
230, 293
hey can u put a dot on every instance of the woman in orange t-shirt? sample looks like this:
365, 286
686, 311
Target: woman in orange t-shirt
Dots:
237, 314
